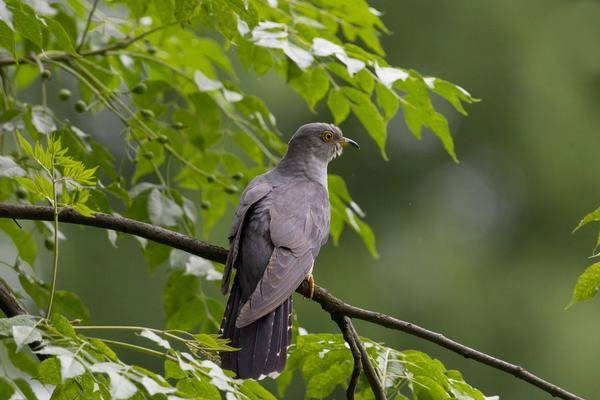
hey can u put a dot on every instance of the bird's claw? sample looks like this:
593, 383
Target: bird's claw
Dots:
311, 286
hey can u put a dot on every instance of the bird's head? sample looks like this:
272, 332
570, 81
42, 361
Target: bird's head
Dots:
321, 140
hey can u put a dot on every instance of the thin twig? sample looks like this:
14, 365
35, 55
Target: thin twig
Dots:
370, 372
343, 323
87, 26
327, 301
62, 56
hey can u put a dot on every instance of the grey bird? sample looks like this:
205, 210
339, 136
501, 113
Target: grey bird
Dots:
279, 226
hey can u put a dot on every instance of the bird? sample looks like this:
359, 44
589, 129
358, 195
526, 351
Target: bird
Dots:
278, 228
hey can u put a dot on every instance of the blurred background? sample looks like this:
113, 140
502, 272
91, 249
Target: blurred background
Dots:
480, 251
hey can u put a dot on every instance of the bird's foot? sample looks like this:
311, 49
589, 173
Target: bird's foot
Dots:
311, 286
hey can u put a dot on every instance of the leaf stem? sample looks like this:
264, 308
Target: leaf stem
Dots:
138, 348
55, 239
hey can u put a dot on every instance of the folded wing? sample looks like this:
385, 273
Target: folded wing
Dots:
299, 225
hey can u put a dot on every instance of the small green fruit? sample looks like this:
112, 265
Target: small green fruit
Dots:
146, 113
140, 88
49, 243
64, 94
205, 205
231, 189
238, 176
151, 49
149, 155
46, 74
178, 125
21, 193
163, 139
211, 178
80, 106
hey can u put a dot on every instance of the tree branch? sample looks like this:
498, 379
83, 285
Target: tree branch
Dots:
327, 301
343, 323
61, 56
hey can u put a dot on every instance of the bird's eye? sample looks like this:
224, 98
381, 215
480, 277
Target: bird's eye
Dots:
327, 136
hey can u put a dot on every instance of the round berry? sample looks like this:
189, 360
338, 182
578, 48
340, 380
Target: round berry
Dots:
238, 176
178, 125
211, 178
205, 204
21, 193
230, 189
163, 139
64, 94
140, 88
146, 113
46, 74
80, 106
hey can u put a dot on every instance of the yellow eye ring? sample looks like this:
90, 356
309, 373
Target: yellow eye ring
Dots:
327, 136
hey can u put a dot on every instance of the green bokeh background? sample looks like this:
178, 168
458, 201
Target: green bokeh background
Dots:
481, 251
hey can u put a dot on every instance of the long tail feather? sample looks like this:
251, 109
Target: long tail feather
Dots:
263, 344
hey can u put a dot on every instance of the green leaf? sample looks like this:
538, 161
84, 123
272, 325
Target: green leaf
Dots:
312, 84
6, 389
25, 389
22, 360
22, 239
60, 34
7, 39
587, 284
255, 391
62, 325
181, 302
172, 370
365, 80
9, 168
451, 92
426, 388
590, 217
387, 100
155, 254
49, 371
197, 388
27, 24
368, 115
323, 383
162, 210
185, 9
338, 105
103, 349
419, 112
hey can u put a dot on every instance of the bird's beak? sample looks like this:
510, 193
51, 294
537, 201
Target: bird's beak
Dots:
346, 141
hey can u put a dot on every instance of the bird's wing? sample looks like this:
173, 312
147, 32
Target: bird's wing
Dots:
299, 222
258, 188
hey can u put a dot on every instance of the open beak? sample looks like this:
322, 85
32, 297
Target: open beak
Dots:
346, 141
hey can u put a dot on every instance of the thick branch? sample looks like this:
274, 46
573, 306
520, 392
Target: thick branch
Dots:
327, 301
9, 304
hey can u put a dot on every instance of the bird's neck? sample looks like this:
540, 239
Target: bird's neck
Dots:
303, 166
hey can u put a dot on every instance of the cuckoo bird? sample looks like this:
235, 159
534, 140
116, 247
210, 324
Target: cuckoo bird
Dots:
279, 226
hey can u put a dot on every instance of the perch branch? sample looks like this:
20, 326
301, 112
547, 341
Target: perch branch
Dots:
327, 301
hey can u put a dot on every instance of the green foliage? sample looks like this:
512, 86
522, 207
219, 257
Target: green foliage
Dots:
191, 137
588, 282
325, 362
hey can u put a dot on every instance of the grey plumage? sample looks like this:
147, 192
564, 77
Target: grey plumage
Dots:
277, 231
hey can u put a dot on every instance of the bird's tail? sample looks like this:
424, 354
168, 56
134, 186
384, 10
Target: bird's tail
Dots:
263, 344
